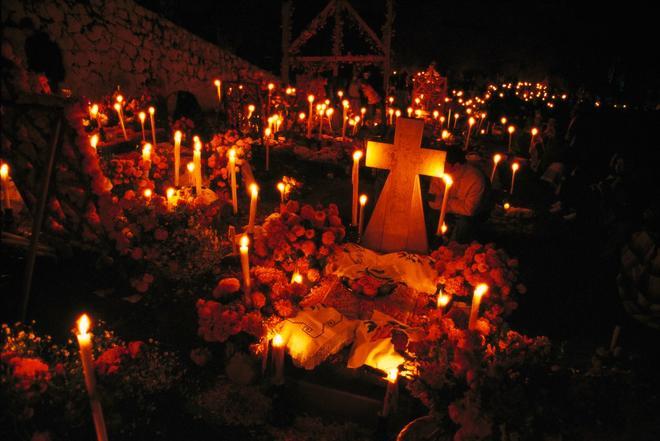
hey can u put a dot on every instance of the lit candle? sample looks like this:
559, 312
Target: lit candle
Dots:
87, 359
442, 121
142, 117
310, 99
442, 302
94, 114
511, 129
254, 194
282, 188
245, 266
177, 156
250, 111
4, 178
267, 135
148, 193
363, 202
443, 210
152, 119
503, 121
344, 105
271, 86
471, 122
320, 109
218, 86
232, 171
496, 160
479, 292
535, 132
146, 158
391, 115
191, 173
94, 141
456, 116
170, 197
197, 160
328, 114
357, 155
278, 359
121, 120
514, 168
410, 111
363, 111
389, 403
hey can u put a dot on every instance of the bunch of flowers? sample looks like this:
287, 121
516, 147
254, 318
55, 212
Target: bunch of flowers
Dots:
43, 388
218, 157
471, 374
299, 239
462, 267
130, 172
173, 242
273, 297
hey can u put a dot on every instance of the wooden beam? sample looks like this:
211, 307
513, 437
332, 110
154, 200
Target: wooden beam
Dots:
312, 28
365, 27
340, 59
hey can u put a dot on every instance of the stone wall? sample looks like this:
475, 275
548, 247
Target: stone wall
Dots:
106, 43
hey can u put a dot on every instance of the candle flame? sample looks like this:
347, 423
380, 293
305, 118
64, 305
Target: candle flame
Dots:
251, 107
254, 189
147, 193
363, 199
443, 299
511, 129
94, 110
481, 289
271, 86
152, 110
232, 154
94, 140
142, 116
191, 167
515, 166
177, 136
296, 278
345, 104
196, 139
503, 120
278, 341
497, 158
507, 205
4, 171
357, 155
217, 83
443, 228
301, 115
280, 187
117, 107
170, 192
534, 131
310, 98
392, 375
245, 241
120, 98
83, 325
448, 180
471, 121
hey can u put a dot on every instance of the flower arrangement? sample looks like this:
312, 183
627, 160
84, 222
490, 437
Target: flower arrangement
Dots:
42, 383
299, 239
462, 267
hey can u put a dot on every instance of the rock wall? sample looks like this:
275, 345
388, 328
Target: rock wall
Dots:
106, 43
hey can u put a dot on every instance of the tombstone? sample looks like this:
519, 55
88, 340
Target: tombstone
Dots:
397, 223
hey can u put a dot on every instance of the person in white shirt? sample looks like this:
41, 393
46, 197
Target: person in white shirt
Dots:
469, 200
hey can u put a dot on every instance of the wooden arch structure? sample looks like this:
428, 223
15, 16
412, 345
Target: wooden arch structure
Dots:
335, 8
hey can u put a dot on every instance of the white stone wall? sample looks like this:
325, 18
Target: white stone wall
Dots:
106, 43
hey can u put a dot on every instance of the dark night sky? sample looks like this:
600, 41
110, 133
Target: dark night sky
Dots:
577, 42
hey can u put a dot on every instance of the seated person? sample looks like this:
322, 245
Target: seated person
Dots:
469, 200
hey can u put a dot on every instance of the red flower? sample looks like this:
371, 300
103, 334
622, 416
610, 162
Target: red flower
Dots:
134, 348
109, 361
227, 286
328, 238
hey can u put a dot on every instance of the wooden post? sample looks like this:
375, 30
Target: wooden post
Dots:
37, 221
387, 45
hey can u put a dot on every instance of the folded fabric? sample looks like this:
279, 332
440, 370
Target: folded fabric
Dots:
373, 342
315, 334
414, 270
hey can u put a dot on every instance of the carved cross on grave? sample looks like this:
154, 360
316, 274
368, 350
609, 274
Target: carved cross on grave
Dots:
397, 223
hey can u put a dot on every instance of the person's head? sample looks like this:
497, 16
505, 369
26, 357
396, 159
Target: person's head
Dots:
455, 159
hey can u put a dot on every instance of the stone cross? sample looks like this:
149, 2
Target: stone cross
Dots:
397, 223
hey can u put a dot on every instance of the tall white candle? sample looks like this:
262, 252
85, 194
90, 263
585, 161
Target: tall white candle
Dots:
496, 160
197, 160
232, 171
514, 169
152, 119
245, 267
344, 105
443, 210
146, 159
4, 179
121, 120
177, 156
357, 155
479, 292
310, 99
87, 359
254, 194
278, 359
363, 202
142, 116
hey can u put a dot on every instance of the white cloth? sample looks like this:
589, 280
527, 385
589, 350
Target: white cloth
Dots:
315, 334
414, 270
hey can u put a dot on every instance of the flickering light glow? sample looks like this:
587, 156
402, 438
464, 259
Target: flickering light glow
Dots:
83, 325
148, 193
278, 341
393, 375
93, 141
